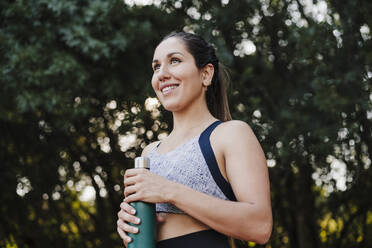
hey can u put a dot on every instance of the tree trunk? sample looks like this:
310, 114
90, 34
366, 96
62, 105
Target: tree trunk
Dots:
307, 236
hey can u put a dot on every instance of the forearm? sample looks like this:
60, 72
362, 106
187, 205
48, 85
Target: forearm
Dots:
241, 220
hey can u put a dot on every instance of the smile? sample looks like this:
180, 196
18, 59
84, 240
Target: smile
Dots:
168, 88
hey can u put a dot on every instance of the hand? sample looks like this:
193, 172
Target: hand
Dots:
127, 215
143, 185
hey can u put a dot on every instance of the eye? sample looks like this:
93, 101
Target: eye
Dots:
175, 60
156, 67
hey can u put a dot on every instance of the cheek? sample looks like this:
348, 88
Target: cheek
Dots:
153, 83
155, 87
189, 74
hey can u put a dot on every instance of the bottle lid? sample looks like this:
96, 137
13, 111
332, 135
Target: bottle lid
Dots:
142, 162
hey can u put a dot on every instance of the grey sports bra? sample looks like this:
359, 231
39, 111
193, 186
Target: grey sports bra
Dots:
192, 164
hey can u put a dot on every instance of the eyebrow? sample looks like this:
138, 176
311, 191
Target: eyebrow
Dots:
168, 55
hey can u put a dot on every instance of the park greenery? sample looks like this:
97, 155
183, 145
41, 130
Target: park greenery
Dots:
77, 106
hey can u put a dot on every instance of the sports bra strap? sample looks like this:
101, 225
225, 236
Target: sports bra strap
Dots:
207, 151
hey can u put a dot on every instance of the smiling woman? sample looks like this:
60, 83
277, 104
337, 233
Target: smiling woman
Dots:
176, 79
209, 177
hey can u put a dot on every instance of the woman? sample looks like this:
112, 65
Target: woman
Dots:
209, 177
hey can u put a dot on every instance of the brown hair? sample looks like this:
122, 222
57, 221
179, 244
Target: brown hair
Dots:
204, 54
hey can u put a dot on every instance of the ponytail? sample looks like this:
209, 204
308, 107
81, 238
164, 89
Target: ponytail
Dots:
216, 96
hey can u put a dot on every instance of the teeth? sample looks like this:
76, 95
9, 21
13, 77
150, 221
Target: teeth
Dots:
168, 88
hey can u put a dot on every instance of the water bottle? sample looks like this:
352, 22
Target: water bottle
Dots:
146, 236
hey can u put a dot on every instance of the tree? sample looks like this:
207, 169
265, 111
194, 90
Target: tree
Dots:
74, 80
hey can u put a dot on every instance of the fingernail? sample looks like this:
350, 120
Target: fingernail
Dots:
133, 211
135, 229
128, 239
137, 220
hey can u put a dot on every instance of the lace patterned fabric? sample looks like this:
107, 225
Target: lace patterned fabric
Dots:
186, 165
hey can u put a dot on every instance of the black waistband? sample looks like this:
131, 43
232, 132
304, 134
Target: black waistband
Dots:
201, 239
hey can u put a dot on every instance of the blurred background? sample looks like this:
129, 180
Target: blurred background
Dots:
76, 106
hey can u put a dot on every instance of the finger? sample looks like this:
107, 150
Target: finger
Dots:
127, 208
130, 180
125, 217
132, 198
130, 190
130, 173
126, 227
134, 172
123, 236
121, 231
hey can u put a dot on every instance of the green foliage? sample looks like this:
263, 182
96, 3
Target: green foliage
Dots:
74, 77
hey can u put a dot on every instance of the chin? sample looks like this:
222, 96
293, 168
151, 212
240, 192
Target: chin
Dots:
172, 106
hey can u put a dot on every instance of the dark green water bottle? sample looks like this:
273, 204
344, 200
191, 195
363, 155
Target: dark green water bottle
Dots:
146, 236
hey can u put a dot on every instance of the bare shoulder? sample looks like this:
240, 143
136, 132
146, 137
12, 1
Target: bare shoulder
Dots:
149, 148
236, 136
235, 129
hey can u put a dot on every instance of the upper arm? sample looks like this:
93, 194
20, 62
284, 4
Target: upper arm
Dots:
245, 163
149, 148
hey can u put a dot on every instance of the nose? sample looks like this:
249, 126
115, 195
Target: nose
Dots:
163, 73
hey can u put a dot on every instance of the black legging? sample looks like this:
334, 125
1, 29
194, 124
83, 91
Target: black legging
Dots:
202, 239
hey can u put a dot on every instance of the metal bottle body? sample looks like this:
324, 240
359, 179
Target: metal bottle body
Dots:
146, 236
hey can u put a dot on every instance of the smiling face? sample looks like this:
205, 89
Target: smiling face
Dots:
176, 80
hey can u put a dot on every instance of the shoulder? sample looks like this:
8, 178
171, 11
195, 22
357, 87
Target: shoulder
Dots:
149, 148
234, 129
233, 134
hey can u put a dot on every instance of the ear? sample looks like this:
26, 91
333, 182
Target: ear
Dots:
207, 74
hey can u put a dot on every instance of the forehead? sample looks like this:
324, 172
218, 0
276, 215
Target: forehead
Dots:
170, 45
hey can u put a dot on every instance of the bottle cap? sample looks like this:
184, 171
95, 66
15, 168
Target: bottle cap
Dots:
142, 162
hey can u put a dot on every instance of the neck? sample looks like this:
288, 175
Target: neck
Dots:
194, 117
